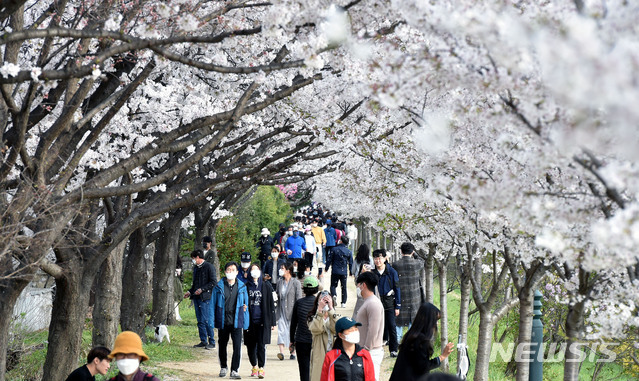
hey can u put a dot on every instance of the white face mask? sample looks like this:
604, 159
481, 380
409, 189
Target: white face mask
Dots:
281, 272
359, 292
307, 273
313, 225
127, 366
352, 337
256, 273
295, 269
193, 260
231, 275
245, 265
289, 232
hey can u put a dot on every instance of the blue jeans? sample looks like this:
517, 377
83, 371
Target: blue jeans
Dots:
204, 316
400, 333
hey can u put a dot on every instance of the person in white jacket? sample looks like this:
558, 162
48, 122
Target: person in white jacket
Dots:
311, 247
351, 233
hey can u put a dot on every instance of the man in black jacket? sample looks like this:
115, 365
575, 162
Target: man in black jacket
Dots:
204, 279
265, 244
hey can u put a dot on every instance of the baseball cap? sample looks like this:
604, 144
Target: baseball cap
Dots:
345, 323
245, 257
310, 282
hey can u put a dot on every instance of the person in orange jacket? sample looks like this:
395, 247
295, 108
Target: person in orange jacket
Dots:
347, 361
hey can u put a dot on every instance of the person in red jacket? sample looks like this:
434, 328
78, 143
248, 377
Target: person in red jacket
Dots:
347, 361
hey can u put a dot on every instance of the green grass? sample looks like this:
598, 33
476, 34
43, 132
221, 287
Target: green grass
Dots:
183, 336
496, 371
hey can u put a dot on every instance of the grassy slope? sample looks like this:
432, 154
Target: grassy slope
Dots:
552, 371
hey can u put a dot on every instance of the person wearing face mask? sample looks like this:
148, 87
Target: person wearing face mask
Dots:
289, 234
204, 278
262, 320
264, 244
230, 300
270, 268
301, 338
389, 294
289, 290
128, 354
320, 242
321, 323
296, 244
277, 239
245, 262
347, 361
311, 247
98, 362
371, 315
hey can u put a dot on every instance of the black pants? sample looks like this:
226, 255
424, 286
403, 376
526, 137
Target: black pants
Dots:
304, 360
338, 278
390, 333
254, 340
309, 259
223, 340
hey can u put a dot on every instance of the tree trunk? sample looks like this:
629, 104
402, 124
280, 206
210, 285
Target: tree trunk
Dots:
67, 319
10, 289
526, 299
135, 284
428, 272
443, 308
202, 227
108, 296
574, 328
216, 258
164, 271
484, 344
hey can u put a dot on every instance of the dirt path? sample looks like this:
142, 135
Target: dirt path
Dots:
207, 366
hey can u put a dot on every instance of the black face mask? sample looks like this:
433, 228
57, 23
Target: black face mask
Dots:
282, 230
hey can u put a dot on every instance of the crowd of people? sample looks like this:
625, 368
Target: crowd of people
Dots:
284, 290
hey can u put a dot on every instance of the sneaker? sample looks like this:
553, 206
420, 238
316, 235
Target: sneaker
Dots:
223, 372
343, 305
210, 346
393, 354
254, 371
260, 373
292, 356
235, 375
200, 345
280, 356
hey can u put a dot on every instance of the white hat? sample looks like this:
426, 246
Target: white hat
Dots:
265, 231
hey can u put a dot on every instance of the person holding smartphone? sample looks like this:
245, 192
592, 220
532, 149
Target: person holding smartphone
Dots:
321, 323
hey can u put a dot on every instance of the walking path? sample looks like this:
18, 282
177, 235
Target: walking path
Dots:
207, 367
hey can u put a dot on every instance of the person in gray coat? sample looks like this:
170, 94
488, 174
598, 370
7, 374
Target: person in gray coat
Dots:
289, 290
411, 281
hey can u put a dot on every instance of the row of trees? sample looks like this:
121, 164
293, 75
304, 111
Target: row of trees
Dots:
490, 126
517, 166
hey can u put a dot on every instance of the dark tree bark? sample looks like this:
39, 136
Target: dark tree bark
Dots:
443, 307
108, 296
166, 252
135, 284
10, 289
70, 308
575, 327
428, 271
